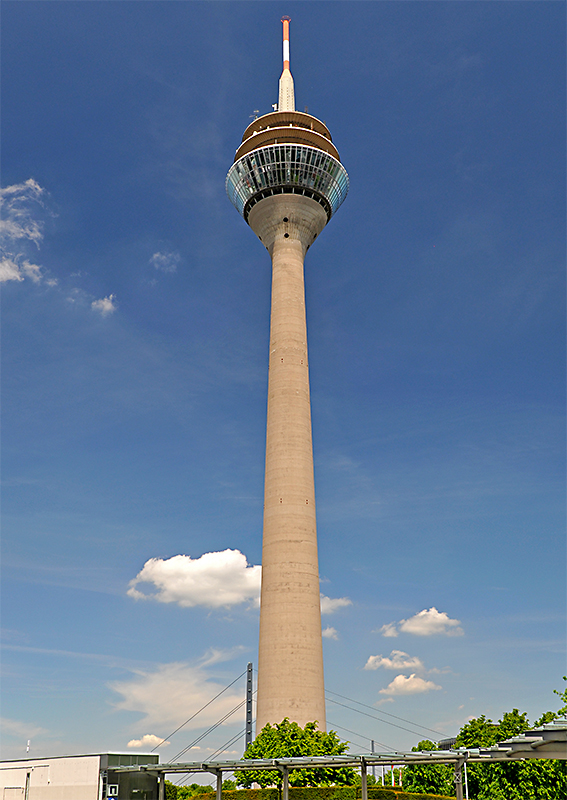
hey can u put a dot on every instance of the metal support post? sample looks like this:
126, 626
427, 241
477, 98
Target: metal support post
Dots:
249, 694
285, 793
219, 784
466, 782
161, 786
363, 779
458, 779
373, 765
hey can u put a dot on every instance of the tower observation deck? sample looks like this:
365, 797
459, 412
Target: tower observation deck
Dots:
287, 181
287, 152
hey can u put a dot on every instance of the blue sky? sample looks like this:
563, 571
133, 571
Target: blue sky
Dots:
135, 344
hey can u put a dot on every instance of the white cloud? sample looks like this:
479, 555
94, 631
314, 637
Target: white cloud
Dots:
213, 580
397, 660
428, 622
17, 220
106, 305
389, 630
165, 262
329, 633
11, 270
437, 671
431, 622
214, 655
19, 226
148, 740
412, 685
172, 693
19, 729
331, 604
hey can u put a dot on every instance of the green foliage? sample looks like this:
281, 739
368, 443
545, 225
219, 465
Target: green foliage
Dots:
480, 732
322, 793
370, 780
563, 695
174, 792
288, 740
515, 780
548, 716
252, 794
436, 778
328, 793
170, 791
385, 781
401, 794
512, 724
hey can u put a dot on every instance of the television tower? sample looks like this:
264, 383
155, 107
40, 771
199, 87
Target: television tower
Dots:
287, 181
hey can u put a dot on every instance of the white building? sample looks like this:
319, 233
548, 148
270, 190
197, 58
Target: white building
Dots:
84, 777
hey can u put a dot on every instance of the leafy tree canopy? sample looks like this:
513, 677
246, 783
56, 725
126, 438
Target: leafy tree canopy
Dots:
482, 732
288, 740
563, 695
516, 780
174, 792
434, 778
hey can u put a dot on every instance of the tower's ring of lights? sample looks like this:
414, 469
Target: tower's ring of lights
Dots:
287, 168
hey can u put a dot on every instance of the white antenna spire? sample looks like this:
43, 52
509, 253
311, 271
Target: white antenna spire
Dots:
287, 94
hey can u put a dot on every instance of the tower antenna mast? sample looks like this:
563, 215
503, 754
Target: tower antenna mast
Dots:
286, 101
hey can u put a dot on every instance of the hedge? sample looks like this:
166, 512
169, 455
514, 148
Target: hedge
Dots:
329, 793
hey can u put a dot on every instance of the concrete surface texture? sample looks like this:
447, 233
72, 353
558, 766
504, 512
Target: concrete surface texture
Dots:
290, 663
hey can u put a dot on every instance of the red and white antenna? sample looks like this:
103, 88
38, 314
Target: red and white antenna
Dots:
286, 95
286, 21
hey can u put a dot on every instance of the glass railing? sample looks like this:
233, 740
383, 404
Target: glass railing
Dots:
287, 167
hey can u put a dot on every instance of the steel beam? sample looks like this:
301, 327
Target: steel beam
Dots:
364, 779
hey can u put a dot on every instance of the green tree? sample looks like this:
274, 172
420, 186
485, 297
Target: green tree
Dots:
194, 789
434, 778
514, 780
563, 695
289, 740
548, 716
370, 780
490, 780
479, 732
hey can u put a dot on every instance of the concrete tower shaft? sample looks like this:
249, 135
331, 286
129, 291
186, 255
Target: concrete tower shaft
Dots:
290, 661
287, 181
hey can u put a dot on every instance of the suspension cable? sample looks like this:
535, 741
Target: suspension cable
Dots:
216, 753
198, 712
415, 724
209, 730
387, 746
373, 717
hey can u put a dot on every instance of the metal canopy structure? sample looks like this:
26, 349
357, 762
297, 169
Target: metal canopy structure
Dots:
547, 742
